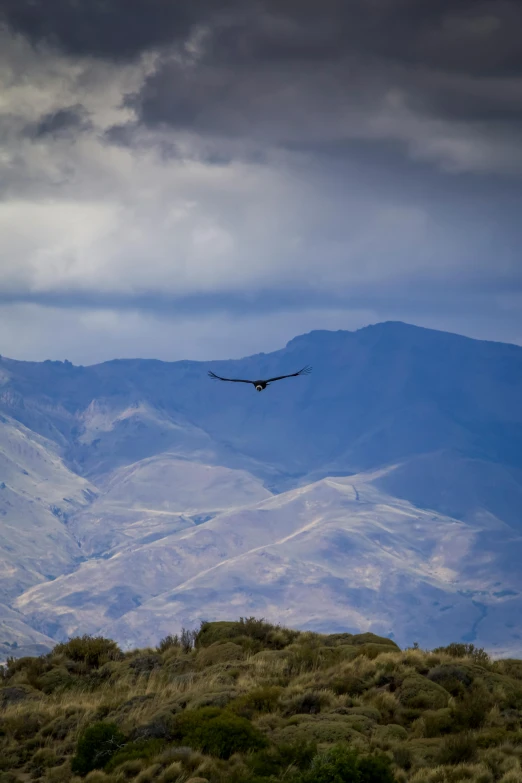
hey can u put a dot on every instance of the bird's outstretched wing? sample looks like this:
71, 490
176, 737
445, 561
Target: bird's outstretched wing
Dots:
305, 371
233, 380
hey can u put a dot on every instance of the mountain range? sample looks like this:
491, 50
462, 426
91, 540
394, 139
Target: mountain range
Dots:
381, 493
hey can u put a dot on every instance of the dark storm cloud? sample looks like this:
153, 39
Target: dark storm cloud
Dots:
464, 35
116, 29
304, 72
63, 121
451, 59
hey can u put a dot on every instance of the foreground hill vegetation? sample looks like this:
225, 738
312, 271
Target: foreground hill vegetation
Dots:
250, 702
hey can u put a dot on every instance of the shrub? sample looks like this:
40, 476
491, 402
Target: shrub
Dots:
57, 679
320, 731
452, 677
309, 656
336, 765
342, 764
144, 664
23, 725
512, 667
458, 748
437, 722
282, 757
251, 633
14, 694
214, 699
168, 642
42, 759
220, 652
388, 735
372, 638
96, 746
403, 756
460, 650
420, 693
216, 732
373, 649
308, 703
91, 650
375, 769
139, 750
347, 683
471, 711
32, 669
263, 699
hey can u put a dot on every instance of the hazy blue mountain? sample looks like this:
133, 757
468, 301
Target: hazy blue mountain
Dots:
150, 449
381, 395
335, 554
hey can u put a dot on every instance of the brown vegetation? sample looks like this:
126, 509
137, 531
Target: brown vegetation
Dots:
249, 702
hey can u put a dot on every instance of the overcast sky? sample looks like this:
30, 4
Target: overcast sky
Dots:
208, 178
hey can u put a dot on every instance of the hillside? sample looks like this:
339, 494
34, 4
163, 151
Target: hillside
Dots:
250, 702
138, 495
374, 562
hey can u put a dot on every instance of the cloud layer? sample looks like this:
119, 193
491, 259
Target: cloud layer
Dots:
198, 163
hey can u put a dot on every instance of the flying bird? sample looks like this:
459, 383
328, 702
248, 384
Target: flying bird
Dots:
260, 385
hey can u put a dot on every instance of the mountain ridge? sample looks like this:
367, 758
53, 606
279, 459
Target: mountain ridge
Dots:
438, 414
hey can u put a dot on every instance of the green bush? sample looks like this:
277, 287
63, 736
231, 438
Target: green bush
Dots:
337, 765
43, 759
169, 642
33, 668
371, 638
342, 764
390, 734
263, 699
96, 746
220, 652
55, 680
459, 650
140, 749
452, 677
307, 703
512, 667
458, 748
91, 650
185, 641
251, 633
347, 684
310, 656
418, 692
278, 759
320, 731
215, 699
470, 712
216, 732
23, 726
438, 722
403, 756
373, 649
375, 769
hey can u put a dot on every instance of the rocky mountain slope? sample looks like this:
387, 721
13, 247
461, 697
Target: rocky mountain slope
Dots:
140, 495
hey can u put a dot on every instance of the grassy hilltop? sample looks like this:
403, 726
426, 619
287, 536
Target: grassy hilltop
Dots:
247, 702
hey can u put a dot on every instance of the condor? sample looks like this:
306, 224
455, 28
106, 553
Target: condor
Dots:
260, 385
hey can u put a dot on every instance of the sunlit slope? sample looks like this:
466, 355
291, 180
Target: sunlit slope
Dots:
335, 554
158, 496
38, 494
